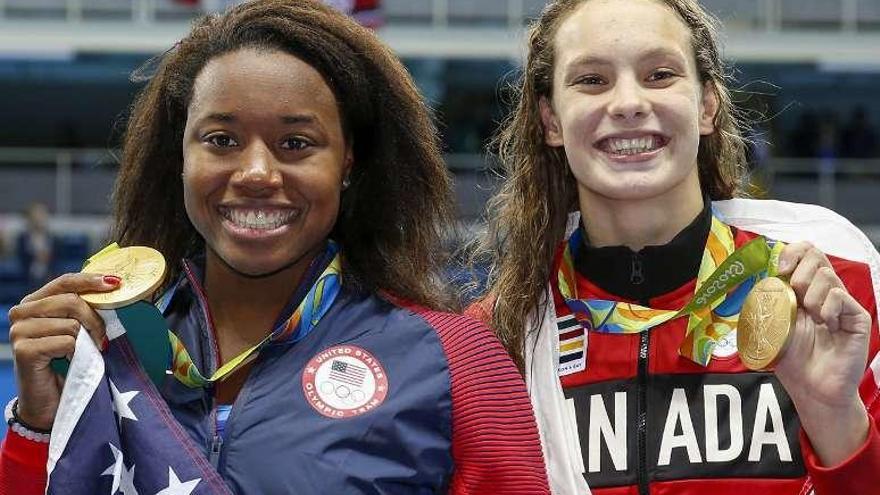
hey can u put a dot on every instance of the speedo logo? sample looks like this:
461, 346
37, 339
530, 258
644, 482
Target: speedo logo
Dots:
694, 426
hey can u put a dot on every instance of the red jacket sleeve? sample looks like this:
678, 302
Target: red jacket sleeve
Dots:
495, 443
860, 473
22, 465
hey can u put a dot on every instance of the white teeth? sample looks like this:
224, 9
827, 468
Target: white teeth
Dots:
624, 146
257, 219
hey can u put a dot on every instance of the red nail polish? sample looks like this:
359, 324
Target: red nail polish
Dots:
112, 279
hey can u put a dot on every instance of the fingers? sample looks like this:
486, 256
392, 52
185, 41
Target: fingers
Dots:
816, 290
841, 311
793, 254
819, 290
36, 328
57, 314
76, 283
802, 262
37, 353
59, 306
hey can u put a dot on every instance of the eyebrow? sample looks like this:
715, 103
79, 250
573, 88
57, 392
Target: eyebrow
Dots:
285, 119
587, 60
298, 119
220, 117
594, 60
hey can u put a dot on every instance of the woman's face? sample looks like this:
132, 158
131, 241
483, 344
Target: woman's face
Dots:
627, 102
264, 158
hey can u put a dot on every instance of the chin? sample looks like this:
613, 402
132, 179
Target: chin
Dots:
625, 188
256, 266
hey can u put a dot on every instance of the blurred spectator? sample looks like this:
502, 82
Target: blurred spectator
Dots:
35, 246
858, 139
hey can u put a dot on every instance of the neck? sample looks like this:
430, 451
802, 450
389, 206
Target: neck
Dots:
636, 223
244, 309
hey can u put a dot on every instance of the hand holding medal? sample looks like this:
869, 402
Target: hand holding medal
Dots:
45, 324
815, 335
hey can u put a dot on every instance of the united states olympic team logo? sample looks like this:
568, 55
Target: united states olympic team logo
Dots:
344, 381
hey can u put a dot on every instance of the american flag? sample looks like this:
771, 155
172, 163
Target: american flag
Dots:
348, 373
114, 433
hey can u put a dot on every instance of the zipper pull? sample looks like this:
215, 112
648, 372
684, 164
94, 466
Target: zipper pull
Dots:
637, 276
216, 446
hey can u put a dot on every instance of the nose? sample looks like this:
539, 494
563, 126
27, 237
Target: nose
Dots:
628, 100
258, 171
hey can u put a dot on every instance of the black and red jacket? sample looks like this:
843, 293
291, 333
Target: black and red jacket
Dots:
649, 421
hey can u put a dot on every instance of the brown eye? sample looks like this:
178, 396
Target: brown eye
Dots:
660, 75
295, 144
221, 140
590, 80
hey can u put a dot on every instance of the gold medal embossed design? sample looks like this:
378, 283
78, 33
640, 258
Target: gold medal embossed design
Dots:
140, 268
767, 317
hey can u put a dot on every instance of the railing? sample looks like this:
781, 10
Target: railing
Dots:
762, 15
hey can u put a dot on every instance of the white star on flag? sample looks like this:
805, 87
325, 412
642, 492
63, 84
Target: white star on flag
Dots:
127, 484
116, 469
120, 402
175, 487
123, 479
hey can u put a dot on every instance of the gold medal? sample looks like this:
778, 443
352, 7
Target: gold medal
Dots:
141, 269
767, 317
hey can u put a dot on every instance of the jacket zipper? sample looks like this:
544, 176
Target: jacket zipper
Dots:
643, 413
216, 446
637, 274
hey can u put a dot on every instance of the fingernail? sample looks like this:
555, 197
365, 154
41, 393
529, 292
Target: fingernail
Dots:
104, 343
783, 265
112, 280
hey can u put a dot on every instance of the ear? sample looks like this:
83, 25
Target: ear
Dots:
552, 127
708, 109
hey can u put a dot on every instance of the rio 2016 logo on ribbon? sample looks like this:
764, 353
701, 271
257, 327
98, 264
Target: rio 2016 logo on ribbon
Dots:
720, 285
344, 381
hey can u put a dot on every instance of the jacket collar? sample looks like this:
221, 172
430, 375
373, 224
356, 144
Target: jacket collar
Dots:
652, 271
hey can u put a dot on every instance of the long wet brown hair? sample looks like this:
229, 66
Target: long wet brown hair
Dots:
528, 215
399, 203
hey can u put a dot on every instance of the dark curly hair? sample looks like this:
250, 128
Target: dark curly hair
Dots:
399, 204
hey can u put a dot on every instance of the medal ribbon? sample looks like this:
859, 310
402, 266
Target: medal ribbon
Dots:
308, 313
726, 275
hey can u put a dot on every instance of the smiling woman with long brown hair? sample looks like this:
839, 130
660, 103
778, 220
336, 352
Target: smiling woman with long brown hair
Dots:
282, 160
615, 221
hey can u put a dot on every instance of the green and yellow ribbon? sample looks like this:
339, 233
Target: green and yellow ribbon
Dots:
724, 280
